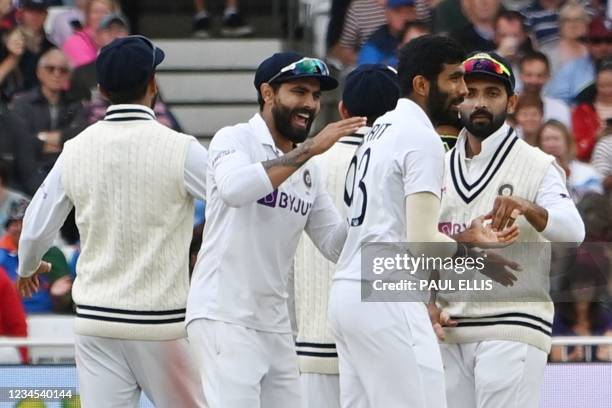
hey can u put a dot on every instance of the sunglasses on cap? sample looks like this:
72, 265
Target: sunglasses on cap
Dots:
305, 66
483, 62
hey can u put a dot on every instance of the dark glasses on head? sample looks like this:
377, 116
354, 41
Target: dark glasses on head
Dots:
485, 63
305, 66
60, 69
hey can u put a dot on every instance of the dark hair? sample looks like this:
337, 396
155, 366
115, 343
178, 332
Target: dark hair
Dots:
417, 25
260, 100
511, 15
535, 56
129, 95
426, 56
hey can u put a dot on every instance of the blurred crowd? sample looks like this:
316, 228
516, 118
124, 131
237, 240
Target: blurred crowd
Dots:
561, 53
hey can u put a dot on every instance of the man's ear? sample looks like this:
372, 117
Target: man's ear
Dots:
267, 92
344, 113
512, 101
421, 85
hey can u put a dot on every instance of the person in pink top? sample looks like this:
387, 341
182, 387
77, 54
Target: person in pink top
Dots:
82, 47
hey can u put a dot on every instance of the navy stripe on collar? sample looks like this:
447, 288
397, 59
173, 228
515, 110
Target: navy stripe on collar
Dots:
119, 115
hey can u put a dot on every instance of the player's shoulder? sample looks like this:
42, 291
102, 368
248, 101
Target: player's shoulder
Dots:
529, 152
240, 133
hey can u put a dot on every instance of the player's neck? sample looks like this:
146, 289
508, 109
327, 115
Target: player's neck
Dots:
473, 146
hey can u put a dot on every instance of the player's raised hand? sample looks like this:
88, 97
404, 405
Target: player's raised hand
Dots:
481, 234
29, 286
330, 134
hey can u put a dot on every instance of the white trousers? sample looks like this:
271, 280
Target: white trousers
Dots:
242, 367
388, 353
113, 373
493, 374
320, 390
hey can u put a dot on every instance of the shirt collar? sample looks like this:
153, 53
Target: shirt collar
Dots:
129, 112
260, 128
488, 146
407, 105
356, 138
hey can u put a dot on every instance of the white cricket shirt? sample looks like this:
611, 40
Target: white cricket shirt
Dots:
401, 155
252, 231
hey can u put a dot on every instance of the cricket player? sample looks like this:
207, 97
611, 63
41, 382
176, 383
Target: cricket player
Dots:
262, 194
495, 354
388, 352
132, 182
370, 90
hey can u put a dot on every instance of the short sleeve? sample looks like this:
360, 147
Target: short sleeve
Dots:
421, 162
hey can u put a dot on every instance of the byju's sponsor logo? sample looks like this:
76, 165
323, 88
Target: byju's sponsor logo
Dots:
284, 200
449, 228
270, 199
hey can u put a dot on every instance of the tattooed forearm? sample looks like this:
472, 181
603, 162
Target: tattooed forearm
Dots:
295, 158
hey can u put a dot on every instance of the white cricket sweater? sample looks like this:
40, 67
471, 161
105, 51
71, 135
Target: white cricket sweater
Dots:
125, 176
313, 273
513, 168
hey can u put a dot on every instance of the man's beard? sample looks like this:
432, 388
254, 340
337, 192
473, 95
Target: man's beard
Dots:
439, 106
282, 120
484, 129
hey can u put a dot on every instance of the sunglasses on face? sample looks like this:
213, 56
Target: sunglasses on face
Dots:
485, 63
305, 66
62, 70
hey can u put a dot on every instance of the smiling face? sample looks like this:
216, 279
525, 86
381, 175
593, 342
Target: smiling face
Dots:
295, 106
486, 105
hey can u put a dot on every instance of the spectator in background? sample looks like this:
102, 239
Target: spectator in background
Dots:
67, 22
48, 115
602, 157
363, 17
84, 82
8, 197
55, 287
7, 16
589, 118
232, 24
512, 40
12, 321
555, 139
528, 115
578, 74
382, 46
415, 30
542, 18
24, 46
479, 34
82, 47
585, 280
573, 28
534, 72
448, 16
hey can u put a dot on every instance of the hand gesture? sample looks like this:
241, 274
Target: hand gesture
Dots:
330, 134
483, 236
29, 286
506, 210
439, 320
498, 268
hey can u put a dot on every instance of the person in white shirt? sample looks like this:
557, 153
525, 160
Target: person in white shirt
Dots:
388, 352
132, 183
370, 90
496, 344
263, 192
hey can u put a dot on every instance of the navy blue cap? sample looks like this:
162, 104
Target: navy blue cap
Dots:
127, 63
268, 71
400, 3
490, 64
371, 90
34, 4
